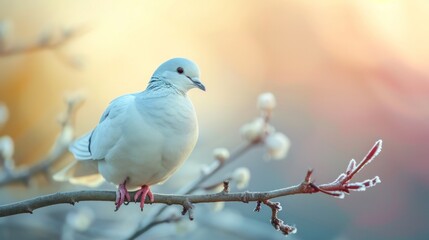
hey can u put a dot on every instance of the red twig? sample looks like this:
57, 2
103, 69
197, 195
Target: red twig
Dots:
342, 184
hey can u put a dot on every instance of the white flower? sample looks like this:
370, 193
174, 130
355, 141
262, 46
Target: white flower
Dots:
277, 145
241, 176
266, 101
221, 154
253, 130
4, 113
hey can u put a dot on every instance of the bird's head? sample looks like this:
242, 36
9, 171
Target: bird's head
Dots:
180, 73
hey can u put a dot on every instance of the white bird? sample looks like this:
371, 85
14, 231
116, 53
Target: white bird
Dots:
141, 138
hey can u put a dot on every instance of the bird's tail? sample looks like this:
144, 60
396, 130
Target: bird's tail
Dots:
80, 172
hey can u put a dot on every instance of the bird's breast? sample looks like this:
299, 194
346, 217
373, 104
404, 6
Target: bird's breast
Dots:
156, 140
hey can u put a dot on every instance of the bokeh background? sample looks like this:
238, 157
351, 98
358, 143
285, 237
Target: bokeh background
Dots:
345, 74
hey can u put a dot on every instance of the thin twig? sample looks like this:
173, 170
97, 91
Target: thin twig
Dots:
45, 42
28, 206
58, 150
336, 188
277, 223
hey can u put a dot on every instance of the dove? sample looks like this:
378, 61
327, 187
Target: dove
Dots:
141, 138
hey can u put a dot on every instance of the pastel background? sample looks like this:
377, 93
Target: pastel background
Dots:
345, 74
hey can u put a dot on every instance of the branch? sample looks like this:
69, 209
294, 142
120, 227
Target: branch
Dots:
58, 150
342, 185
337, 189
45, 41
306, 187
28, 206
277, 223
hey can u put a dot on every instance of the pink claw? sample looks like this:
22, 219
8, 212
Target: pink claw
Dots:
122, 195
143, 192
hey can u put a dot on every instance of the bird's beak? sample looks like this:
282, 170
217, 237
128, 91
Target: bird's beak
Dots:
198, 84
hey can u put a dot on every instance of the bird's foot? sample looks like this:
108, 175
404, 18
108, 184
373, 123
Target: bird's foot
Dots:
143, 192
122, 195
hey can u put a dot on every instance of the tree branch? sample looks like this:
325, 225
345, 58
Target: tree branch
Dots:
337, 189
28, 206
58, 150
45, 41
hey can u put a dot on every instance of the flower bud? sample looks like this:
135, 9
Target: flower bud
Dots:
277, 145
266, 102
253, 130
241, 176
221, 154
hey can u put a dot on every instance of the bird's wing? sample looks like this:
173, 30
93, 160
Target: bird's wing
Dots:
80, 147
96, 144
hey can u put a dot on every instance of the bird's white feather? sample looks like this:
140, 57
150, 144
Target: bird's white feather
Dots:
80, 149
142, 138
109, 131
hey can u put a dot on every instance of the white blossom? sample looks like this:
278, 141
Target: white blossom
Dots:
277, 145
253, 130
221, 154
241, 176
266, 102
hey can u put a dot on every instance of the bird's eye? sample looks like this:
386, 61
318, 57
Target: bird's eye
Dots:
180, 70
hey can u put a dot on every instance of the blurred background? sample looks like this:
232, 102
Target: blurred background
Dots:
345, 74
